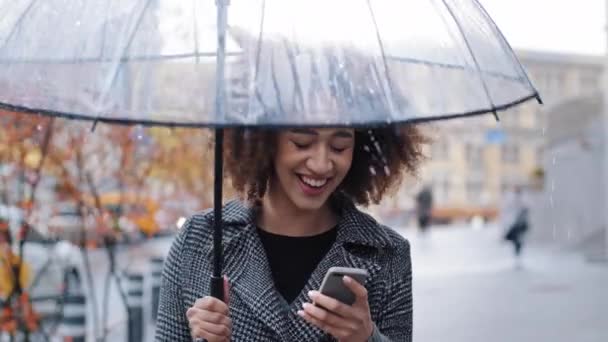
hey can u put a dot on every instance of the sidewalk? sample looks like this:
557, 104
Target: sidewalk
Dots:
467, 287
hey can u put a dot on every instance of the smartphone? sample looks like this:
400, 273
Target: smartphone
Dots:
333, 283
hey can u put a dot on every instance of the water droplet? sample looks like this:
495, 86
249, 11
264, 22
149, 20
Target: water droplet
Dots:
377, 146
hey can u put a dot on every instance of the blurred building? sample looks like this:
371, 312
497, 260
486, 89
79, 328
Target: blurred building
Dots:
473, 161
570, 209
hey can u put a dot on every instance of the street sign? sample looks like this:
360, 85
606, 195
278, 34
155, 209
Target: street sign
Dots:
496, 136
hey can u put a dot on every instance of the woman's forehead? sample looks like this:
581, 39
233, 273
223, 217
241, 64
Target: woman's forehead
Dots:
325, 132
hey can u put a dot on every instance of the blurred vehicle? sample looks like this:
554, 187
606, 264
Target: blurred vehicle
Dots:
135, 214
446, 215
135, 208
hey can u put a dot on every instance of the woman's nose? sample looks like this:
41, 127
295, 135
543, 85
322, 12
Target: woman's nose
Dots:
320, 162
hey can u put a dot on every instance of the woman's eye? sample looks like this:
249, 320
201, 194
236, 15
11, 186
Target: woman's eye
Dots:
338, 149
300, 145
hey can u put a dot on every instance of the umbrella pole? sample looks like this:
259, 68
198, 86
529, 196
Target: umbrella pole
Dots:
217, 280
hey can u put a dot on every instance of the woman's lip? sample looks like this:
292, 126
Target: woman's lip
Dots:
314, 177
309, 190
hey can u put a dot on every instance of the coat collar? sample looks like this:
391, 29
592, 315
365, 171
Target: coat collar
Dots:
354, 226
250, 276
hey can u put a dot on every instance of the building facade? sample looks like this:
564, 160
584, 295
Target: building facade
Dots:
474, 161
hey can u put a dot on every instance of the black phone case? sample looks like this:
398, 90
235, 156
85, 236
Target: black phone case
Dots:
334, 287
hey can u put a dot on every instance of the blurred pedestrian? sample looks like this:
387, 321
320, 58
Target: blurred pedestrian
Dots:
424, 208
515, 219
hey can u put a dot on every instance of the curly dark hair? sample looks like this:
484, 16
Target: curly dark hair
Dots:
380, 157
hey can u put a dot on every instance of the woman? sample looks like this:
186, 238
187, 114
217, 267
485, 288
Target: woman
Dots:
297, 220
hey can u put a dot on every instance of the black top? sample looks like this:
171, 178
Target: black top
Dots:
293, 259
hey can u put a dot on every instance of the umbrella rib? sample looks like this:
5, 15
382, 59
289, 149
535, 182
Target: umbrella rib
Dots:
18, 23
104, 31
195, 26
258, 96
294, 73
124, 51
258, 57
508, 48
477, 66
275, 84
388, 84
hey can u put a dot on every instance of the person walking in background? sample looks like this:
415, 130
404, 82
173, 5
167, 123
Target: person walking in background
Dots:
424, 208
515, 219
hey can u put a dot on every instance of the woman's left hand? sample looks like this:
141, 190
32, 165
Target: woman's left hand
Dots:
342, 321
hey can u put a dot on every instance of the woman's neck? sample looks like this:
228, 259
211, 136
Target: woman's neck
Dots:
280, 216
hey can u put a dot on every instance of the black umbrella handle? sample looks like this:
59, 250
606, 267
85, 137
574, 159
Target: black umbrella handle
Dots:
217, 288
217, 281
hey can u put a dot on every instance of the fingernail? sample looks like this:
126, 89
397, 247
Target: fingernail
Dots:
305, 305
312, 293
301, 313
347, 279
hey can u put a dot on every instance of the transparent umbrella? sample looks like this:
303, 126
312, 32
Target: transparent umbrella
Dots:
271, 63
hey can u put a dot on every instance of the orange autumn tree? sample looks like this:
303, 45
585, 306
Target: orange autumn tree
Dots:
24, 145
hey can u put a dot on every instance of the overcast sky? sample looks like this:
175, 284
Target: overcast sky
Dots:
575, 26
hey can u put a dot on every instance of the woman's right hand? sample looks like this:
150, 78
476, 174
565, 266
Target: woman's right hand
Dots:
209, 319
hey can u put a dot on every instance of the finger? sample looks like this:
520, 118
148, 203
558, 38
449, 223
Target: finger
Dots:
226, 290
327, 317
332, 330
208, 336
211, 304
359, 290
331, 304
207, 316
216, 329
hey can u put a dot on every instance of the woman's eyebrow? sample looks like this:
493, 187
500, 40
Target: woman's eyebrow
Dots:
343, 134
303, 131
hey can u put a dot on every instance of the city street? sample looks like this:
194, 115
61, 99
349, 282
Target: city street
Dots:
468, 288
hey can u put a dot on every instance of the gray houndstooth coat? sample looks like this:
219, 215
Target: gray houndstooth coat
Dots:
257, 310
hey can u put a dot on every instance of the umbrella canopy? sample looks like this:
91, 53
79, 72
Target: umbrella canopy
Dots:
286, 63
271, 63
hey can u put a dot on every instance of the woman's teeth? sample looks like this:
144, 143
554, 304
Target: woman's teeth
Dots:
315, 183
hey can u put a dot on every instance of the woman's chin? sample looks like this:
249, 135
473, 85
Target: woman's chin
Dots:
309, 204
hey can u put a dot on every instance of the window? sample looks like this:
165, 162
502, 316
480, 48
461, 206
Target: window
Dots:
440, 151
474, 155
474, 190
510, 154
441, 187
511, 117
540, 154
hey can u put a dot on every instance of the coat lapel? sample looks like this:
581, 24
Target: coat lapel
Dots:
356, 233
358, 244
250, 276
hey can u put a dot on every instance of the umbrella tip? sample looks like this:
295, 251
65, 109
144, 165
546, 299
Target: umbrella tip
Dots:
539, 99
496, 115
94, 125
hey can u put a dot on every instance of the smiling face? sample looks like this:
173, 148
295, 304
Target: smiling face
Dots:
310, 164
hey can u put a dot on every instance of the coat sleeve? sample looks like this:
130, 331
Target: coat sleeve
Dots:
172, 323
396, 321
